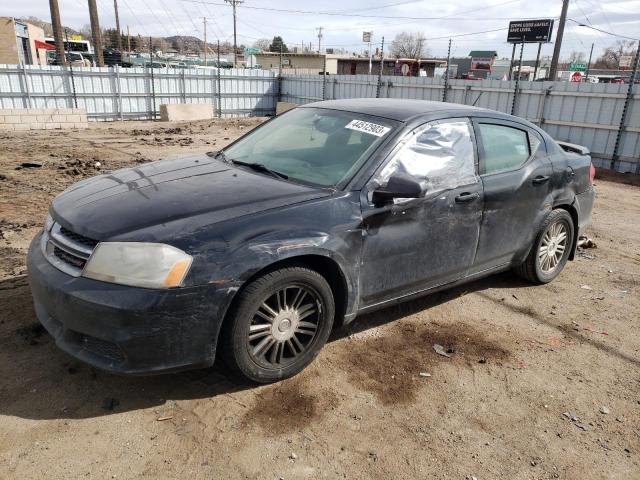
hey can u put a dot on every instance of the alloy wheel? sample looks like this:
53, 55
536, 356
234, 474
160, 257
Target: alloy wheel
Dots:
284, 326
552, 247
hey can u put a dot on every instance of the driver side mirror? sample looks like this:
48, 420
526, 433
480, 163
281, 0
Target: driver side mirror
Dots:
398, 186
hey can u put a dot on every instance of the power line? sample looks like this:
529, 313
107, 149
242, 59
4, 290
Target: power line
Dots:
601, 30
338, 14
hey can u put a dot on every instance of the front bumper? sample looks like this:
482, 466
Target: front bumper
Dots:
123, 329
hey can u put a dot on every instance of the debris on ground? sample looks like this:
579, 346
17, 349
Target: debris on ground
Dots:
588, 328
30, 165
585, 242
586, 287
163, 419
293, 456
605, 410
439, 349
583, 426
571, 415
425, 374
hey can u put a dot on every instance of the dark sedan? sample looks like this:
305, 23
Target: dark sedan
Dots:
327, 211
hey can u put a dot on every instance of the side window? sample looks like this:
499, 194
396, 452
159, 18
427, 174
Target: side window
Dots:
505, 148
439, 155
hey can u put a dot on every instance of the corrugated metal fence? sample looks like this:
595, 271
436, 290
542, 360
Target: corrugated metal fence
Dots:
136, 93
584, 113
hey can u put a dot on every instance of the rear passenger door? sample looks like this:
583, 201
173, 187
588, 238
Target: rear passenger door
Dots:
516, 175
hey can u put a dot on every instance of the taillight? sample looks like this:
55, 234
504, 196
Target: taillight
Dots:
592, 174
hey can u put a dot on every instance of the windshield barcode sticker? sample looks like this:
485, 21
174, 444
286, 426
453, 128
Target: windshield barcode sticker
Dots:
366, 127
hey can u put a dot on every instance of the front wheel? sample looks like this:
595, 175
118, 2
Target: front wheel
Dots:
280, 323
550, 250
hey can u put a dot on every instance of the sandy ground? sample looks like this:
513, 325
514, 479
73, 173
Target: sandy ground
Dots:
523, 357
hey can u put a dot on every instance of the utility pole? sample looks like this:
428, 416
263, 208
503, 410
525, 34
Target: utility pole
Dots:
319, 38
553, 71
204, 23
446, 74
128, 40
234, 3
586, 76
95, 32
119, 44
61, 59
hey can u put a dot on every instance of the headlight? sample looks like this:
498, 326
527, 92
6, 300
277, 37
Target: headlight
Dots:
48, 223
149, 265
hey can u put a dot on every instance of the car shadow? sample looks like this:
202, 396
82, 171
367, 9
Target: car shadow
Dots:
38, 381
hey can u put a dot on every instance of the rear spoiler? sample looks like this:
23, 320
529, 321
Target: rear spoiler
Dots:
573, 148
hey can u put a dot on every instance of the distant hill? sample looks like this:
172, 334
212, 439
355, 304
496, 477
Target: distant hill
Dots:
46, 26
181, 43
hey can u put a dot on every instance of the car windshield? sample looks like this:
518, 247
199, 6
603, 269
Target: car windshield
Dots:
313, 145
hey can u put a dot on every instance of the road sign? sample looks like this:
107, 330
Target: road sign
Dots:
530, 31
251, 51
366, 37
626, 61
576, 77
578, 67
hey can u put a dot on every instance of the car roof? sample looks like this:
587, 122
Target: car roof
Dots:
402, 109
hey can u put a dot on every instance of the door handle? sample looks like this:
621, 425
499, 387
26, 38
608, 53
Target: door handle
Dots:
467, 197
540, 179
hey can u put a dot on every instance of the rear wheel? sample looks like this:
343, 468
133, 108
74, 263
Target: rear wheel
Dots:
551, 249
281, 322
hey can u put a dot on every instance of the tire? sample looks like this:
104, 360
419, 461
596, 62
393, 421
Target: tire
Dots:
273, 335
535, 268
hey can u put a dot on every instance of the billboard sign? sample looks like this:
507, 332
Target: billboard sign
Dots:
530, 31
626, 61
578, 67
481, 63
366, 37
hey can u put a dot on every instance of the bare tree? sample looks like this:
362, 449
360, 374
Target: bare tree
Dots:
262, 44
409, 45
576, 57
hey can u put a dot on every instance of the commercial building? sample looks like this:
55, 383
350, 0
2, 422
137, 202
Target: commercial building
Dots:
21, 43
313, 63
303, 63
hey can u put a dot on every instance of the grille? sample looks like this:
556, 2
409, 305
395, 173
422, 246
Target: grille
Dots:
67, 250
72, 260
78, 238
102, 348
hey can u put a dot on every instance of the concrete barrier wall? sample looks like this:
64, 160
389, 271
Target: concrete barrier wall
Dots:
186, 112
42, 118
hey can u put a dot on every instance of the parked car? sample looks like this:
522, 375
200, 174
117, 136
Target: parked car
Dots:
468, 76
325, 212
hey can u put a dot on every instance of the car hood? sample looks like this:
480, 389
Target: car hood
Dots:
162, 192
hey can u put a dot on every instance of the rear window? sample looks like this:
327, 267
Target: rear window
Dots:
504, 148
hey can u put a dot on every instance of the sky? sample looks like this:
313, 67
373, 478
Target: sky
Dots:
472, 24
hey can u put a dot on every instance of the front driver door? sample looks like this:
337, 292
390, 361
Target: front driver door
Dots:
414, 244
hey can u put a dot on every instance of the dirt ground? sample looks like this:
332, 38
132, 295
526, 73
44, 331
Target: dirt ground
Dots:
543, 382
